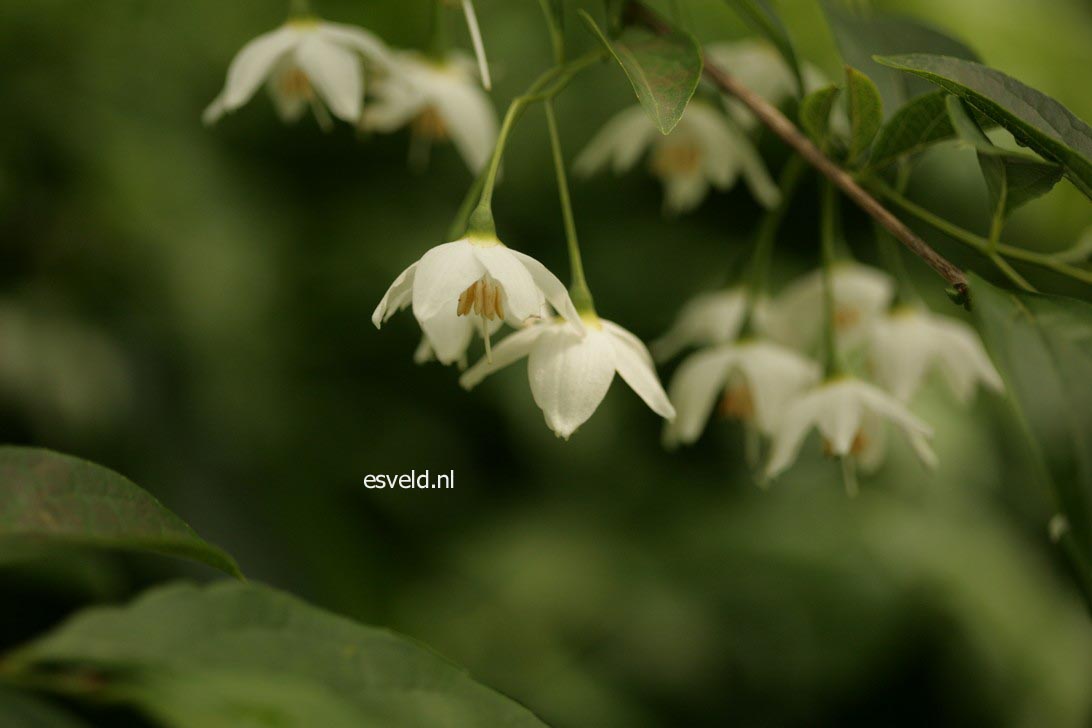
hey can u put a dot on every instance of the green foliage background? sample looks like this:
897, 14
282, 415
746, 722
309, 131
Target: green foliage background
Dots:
191, 307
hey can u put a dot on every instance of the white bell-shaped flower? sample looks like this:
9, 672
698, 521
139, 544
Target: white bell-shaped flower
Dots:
306, 63
439, 101
570, 374
910, 341
752, 380
704, 150
711, 317
862, 295
473, 284
851, 416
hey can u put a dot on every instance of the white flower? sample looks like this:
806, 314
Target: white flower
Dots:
712, 317
753, 381
909, 341
850, 415
305, 62
861, 295
760, 67
439, 101
704, 149
570, 374
469, 285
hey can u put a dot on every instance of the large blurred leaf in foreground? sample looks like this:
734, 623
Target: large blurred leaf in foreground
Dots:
1043, 347
209, 656
48, 499
18, 710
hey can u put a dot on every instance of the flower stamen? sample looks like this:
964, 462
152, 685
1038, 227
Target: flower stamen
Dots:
483, 298
294, 84
737, 403
676, 160
429, 124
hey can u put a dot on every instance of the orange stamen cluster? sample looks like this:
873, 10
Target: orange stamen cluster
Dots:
430, 125
737, 403
483, 298
294, 83
674, 160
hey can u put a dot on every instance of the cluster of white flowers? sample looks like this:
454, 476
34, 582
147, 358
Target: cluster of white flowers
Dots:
310, 63
472, 287
767, 380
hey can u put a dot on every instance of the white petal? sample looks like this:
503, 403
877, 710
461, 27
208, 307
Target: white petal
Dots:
449, 334
397, 297
695, 388
624, 138
570, 375
290, 107
708, 318
424, 353
682, 193
522, 298
629, 339
443, 273
395, 105
917, 432
552, 288
839, 419
471, 121
775, 375
249, 69
636, 369
364, 42
336, 75
792, 429
514, 347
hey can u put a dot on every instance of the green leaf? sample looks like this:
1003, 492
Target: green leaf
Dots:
1042, 346
1036, 120
205, 656
663, 69
815, 113
865, 111
917, 125
20, 710
52, 500
1012, 178
761, 16
859, 38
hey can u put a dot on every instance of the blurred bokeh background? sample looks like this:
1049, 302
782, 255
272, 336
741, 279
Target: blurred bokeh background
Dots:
190, 307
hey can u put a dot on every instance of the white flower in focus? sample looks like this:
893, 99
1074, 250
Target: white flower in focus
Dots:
473, 285
306, 63
704, 150
570, 374
759, 66
712, 317
851, 416
752, 380
907, 343
439, 101
862, 294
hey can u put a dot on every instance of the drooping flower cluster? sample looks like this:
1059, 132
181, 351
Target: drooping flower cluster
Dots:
313, 64
767, 380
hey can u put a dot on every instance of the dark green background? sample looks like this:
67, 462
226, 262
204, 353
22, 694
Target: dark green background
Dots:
191, 306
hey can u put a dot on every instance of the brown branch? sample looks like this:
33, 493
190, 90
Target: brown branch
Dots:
779, 124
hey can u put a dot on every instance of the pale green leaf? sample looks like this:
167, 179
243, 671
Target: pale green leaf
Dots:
917, 125
664, 69
50, 500
865, 111
815, 112
1036, 120
1042, 346
204, 656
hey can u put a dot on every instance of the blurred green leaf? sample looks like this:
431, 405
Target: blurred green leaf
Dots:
1043, 347
20, 710
1012, 178
761, 16
815, 113
52, 499
915, 126
209, 655
1035, 119
664, 69
865, 111
860, 37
